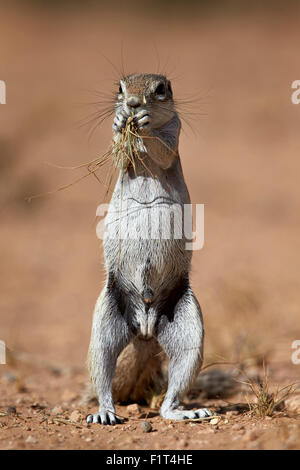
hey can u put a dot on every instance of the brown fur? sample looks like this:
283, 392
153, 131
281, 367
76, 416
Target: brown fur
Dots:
138, 370
138, 373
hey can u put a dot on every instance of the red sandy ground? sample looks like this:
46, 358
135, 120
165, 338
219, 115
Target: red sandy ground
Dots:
243, 163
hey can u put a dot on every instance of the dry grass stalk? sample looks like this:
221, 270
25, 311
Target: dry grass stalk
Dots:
267, 401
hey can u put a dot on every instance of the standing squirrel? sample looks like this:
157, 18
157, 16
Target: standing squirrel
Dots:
147, 307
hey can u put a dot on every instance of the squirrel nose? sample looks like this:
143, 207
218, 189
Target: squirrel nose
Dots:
133, 101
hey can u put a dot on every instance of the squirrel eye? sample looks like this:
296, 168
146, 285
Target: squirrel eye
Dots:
161, 89
120, 90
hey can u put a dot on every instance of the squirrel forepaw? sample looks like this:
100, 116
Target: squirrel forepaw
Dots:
120, 120
142, 119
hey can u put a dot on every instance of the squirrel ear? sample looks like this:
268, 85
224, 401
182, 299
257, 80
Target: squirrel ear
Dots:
169, 88
122, 86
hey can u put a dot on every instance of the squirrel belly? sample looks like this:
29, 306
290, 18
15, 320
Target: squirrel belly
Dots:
144, 240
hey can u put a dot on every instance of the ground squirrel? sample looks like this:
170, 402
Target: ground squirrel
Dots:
147, 305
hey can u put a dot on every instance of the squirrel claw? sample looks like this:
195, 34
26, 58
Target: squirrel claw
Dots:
185, 414
142, 119
104, 417
119, 122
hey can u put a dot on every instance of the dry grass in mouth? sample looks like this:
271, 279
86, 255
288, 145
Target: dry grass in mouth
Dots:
122, 154
125, 150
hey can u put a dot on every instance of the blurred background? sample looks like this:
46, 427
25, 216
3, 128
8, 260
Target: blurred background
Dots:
232, 65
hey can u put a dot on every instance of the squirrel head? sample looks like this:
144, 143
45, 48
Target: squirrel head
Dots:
149, 92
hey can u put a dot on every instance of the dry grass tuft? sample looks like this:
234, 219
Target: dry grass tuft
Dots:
268, 399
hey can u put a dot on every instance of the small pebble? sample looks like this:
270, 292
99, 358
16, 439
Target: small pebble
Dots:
146, 426
75, 416
214, 421
250, 436
10, 377
232, 413
11, 410
133, 409
57, 410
